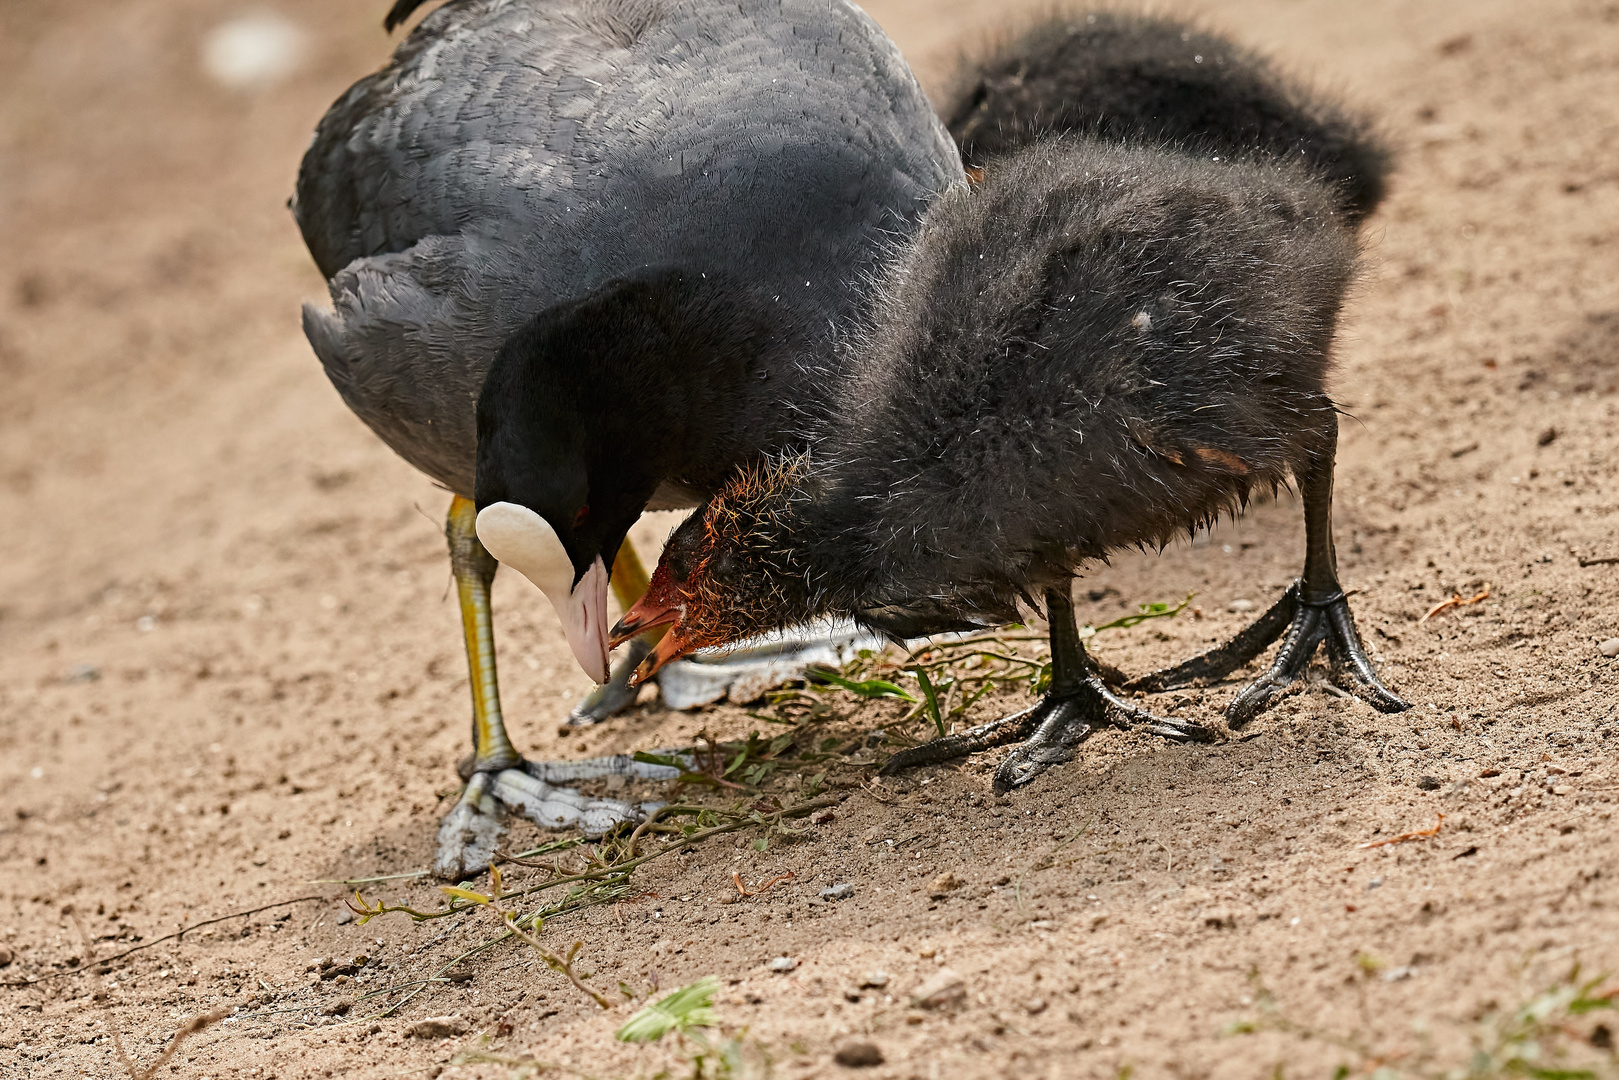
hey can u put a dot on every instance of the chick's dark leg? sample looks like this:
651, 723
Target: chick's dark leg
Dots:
1076, 703
1313, 610
497, 776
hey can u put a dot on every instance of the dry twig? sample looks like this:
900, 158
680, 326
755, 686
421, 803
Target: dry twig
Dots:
764, 886
82, 969
561, 965
1405, 837
1454, 602
191, 1027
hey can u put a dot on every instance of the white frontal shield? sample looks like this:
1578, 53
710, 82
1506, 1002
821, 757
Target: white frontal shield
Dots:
525, 541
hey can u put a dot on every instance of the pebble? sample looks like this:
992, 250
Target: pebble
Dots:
838, 892
1240, 605
858, 1056
439, 1027
338, 1007
1428, 783
943, 884
1399, 974
873, 980
945, 990
1610, 647
781, 965
6, 956
1034, 1006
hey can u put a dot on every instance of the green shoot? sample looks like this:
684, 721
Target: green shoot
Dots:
684, 1011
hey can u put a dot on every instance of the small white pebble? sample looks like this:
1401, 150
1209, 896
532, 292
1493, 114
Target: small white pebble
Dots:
1609, 647
1240, 605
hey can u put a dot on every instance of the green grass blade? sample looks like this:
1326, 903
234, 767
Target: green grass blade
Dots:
687, 1008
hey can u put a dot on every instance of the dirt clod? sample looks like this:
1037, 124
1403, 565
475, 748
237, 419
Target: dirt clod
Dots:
858, 1056
439, 1027
945, 990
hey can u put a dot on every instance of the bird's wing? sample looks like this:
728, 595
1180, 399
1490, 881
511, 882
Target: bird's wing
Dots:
507, 110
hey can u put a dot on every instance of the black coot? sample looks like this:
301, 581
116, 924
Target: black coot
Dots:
586, 257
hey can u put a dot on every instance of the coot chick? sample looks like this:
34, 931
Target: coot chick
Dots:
1096, 347
1150, 81
584, 257
1145, 80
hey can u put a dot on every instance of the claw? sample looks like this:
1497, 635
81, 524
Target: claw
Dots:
1050, 731
1306, 625
1066, 723
469, 833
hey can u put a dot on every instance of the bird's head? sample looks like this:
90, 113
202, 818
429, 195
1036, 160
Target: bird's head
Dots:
557, 489
593, 404
562, 533
728, 572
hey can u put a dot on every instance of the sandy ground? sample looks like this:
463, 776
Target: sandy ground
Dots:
228, 665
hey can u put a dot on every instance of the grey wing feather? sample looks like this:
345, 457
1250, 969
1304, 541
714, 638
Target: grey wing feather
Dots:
517, 154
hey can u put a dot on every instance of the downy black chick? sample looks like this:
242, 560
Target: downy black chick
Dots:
1148, 81
1095, 347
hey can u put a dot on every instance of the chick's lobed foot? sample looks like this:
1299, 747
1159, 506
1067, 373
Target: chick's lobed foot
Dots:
1050, 732
1303, 625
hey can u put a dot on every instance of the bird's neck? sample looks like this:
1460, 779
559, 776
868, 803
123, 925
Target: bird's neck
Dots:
666, 376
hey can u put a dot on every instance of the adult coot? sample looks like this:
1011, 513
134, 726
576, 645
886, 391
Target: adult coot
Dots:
1097, 346
586, 257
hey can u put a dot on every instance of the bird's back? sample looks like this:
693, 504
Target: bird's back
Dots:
516, 154
1146, 80
1097, 347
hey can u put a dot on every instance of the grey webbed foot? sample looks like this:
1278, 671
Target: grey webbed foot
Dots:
470, 833
1303, 626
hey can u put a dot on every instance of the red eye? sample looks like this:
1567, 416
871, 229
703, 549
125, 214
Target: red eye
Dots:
581, 517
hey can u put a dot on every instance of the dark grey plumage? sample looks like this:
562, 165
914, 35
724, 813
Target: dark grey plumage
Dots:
1113, 336
518, 154
1145, 80
1097, 347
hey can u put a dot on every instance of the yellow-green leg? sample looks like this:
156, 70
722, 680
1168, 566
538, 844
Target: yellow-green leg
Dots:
474, 570
500, 780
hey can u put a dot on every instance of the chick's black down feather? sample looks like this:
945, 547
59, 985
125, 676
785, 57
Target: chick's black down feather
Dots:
1145, 80
1097, 347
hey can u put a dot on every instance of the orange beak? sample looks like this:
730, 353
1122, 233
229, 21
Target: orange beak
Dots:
672, 647
652, 610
